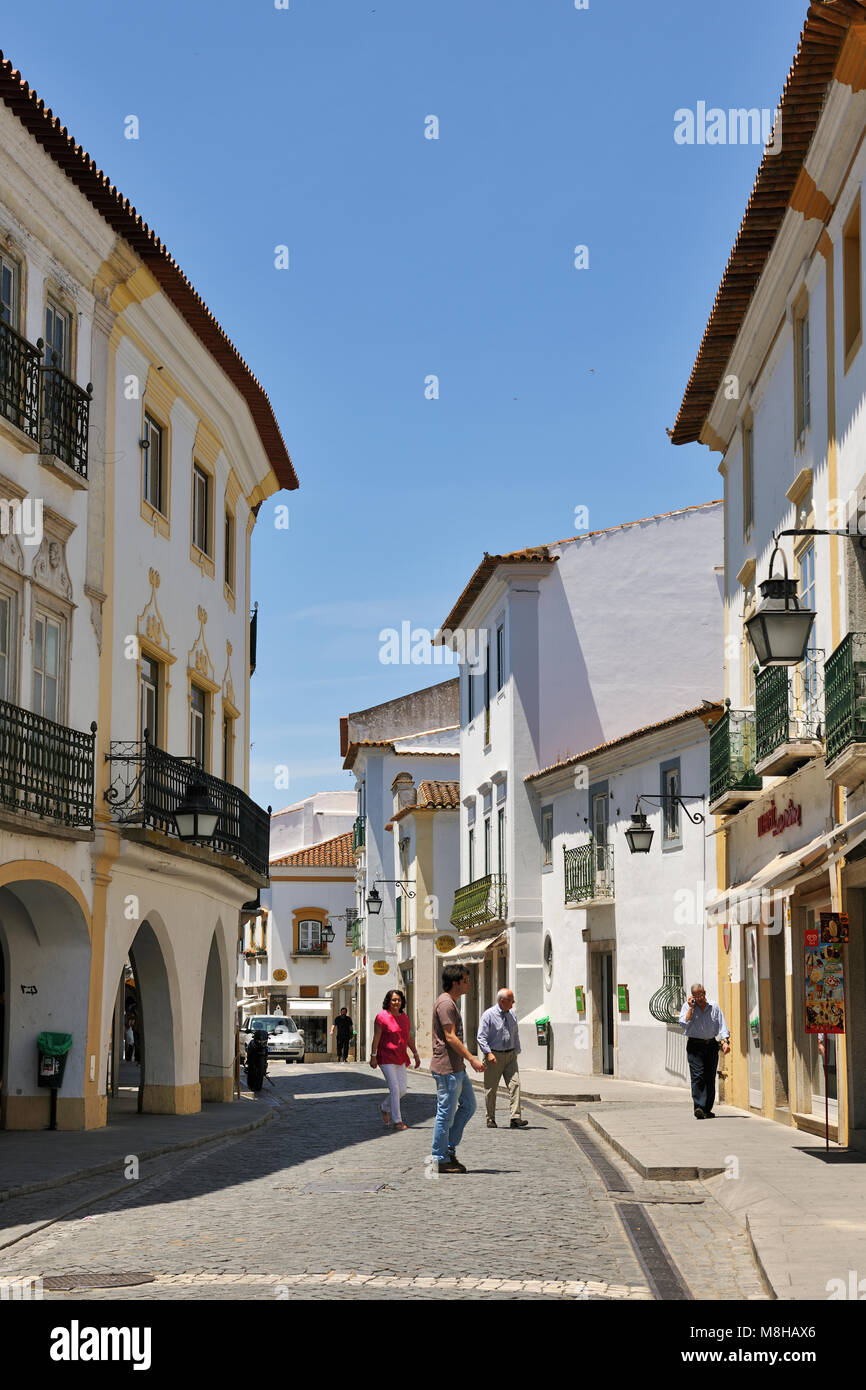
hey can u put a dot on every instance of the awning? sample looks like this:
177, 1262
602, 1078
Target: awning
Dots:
787, 870
344, 980
308, 1006
473, 952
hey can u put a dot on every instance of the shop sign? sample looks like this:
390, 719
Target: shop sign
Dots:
380, 967
771, 821
825, 976
444, 944
622, 996
279, 974
726, 937
579, 1001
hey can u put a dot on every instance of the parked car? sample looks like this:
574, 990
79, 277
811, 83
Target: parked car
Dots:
285, 1038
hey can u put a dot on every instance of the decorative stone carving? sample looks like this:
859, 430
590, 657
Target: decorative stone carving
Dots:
97, 599
49, 568
228, 684
150, 624
198, 661
11, 554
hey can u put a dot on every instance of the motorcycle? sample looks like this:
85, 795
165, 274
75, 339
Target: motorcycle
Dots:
256, 1061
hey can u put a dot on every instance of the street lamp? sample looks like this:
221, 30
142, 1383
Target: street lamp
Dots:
327, 933
639, 833
780, 628
374, 902
196, 817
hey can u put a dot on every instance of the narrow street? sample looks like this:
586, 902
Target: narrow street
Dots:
325, 1195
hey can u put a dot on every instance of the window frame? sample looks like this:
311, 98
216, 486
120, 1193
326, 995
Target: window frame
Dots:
747, 450
56, 306
500, 656
199, 471
43, 614
852, 285
672, 818
151, 423
14, 266
204, 712
802, 372
546, 859
230, 551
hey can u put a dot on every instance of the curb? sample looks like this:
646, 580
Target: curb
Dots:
685, 1173
110, 1165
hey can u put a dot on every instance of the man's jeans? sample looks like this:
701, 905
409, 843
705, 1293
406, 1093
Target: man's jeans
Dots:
455, 1106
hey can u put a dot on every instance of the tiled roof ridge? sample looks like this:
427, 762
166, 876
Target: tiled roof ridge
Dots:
800, 107
624, 525
327, 854
706, 708
40, 121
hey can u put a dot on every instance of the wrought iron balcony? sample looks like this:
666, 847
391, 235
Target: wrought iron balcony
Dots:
733, 780
359, 833
589, 873
19, 381
845, 699
148, 785
789, 713
484, 900
65, 419
358, 936
45, 769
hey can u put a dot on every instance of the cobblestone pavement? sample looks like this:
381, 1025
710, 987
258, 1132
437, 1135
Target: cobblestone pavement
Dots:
326, 1202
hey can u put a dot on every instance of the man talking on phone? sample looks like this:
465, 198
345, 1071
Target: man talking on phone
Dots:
703, 1022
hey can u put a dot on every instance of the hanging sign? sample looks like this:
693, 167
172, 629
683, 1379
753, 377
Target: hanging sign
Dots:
380, 967
444, 944
824, 982
579, 1002
622, 995
834, 927
279, 974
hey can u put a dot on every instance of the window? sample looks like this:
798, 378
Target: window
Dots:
670, 787
748, 478
47, 667
200, 509
547, 836
230, 551
197, 716
56, 337
150, 699
309, 937
153, 487
470, 694
487, 868
471, 878
228, 748
500, 843
486, 694
809, 673
852, 288
500, 657
8, 292
802, 390
599, 828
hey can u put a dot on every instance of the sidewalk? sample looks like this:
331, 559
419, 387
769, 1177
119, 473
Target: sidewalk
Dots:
803, 1207
31, 1160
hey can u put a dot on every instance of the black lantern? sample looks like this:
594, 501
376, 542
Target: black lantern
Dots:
196, 817
374, 902
780, 628
327, 933
639, 833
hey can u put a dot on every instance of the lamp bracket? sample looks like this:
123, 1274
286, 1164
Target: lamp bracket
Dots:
696, 819
401, 883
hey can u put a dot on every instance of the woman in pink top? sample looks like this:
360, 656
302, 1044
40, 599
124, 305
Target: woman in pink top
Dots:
391, 1037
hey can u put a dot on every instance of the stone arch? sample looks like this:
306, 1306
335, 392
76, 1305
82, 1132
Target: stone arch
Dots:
45, 928
216, 1045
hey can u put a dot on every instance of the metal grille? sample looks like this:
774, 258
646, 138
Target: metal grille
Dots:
19, 381
484, 900
45, 768
150, 784
666, 1003
732, 753
845, 685
359, 832
788, 706
588, 871
65, 419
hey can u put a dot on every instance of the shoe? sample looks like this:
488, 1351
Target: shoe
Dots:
451, 1167
710, 1115
452, 1158
699, 1114
519, 1124
491, 1124
398, 1124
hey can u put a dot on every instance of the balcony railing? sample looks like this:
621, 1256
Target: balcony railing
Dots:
484, 900
148, 785
65, 418
19, 381
845, 687
45, 768
359, 833
317, 948
357, 936
588, 872
788, 706
732, 754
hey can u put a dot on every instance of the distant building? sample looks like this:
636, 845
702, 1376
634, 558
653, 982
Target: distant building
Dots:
318, 817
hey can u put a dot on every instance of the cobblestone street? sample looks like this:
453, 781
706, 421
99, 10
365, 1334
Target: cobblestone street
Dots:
324, 1201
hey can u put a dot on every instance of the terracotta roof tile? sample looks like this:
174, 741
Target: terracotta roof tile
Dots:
439, 795
122, 217
707, 711
330, 854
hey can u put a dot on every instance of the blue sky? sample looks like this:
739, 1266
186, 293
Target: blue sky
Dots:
411, 257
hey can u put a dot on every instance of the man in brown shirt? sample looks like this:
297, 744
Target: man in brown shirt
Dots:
455, 1099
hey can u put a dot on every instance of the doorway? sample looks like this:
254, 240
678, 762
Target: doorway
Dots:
607, 1013
753, 1018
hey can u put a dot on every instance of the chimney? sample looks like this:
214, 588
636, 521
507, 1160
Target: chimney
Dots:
405, 793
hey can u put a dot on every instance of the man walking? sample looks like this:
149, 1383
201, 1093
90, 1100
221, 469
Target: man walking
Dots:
499, 1044
342, 1026
455, 1101
703, 1022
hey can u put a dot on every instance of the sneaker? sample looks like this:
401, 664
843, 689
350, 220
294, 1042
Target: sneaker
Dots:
519, 1124
452, 1166
699, 1114
452, 1158
491, 1124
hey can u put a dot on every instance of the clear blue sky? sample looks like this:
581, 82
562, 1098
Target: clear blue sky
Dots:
411, 257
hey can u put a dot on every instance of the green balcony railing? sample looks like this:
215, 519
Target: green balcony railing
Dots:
399, 913
484, 900
732, 753
358, 833
845, 694
588, 872
788, 705
357, 936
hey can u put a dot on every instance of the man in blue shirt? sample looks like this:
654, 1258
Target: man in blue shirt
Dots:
499, 1044
703, 1022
